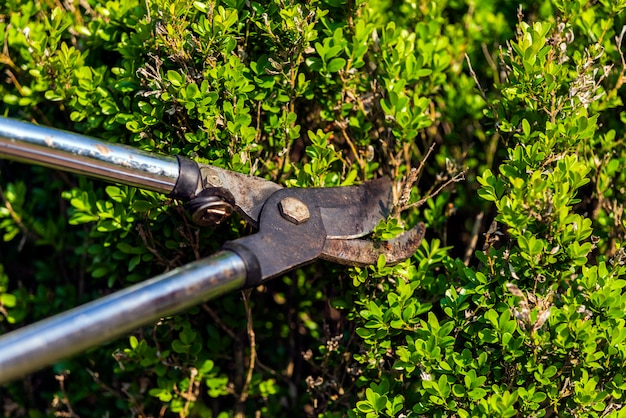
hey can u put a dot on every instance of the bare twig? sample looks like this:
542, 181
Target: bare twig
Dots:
3, 311
148, 11
474, 241
410, 181
618, 40
492, 64
96, 378
191, 394
346, 137
243, 396
457, 178
192, 235
475, 77
622, 78
61, 379
251, 336
146, 235
219, 322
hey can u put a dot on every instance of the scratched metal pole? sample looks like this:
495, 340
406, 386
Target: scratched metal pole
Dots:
35, 346
83, 155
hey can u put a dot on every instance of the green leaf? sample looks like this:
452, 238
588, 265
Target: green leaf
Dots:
492, 316
108, 106
424, 72
162, 394
314, 63
140, 205
526, 127
100, 272
206, 367
381, 262
364, 406
133, 342
179, 347
129, 249
201, 6
381, 403
78, 218
134, 262
175, 78
8, 300
53, 96
335, 65
458, 391
476, 394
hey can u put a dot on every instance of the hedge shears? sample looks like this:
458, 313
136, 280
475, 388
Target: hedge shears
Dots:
295, 226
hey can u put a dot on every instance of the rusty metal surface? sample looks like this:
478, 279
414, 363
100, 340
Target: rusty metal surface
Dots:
359, 252
282, 245
354, 211
250, 192
294, 210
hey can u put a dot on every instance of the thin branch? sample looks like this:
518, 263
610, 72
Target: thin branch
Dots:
621, 79
410, 181
96, 378
145, 235
618, 40
474, 241
491, 62
189, 396
219, 322
475, 77
251, 336
346, 137
3, 310
457, 178
61, 379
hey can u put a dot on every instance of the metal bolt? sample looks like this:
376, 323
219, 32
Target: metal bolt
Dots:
294, 210
214, 180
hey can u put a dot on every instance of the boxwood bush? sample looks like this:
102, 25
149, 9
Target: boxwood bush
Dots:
501, 124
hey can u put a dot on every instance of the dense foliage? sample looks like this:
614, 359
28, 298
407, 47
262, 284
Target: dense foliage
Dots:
514, 305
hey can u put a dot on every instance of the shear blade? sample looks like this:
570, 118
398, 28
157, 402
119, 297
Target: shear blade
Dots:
356, 210
359, 252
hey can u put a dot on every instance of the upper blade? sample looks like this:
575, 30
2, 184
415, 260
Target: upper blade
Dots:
354, 211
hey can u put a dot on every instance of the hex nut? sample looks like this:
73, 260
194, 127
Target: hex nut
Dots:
294, 210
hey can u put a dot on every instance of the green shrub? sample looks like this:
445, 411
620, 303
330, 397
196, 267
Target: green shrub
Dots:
514, 305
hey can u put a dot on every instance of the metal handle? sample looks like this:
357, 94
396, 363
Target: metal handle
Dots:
35, 346
83, 155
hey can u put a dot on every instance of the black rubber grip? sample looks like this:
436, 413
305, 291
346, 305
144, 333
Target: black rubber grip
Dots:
254, 276
188, 179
